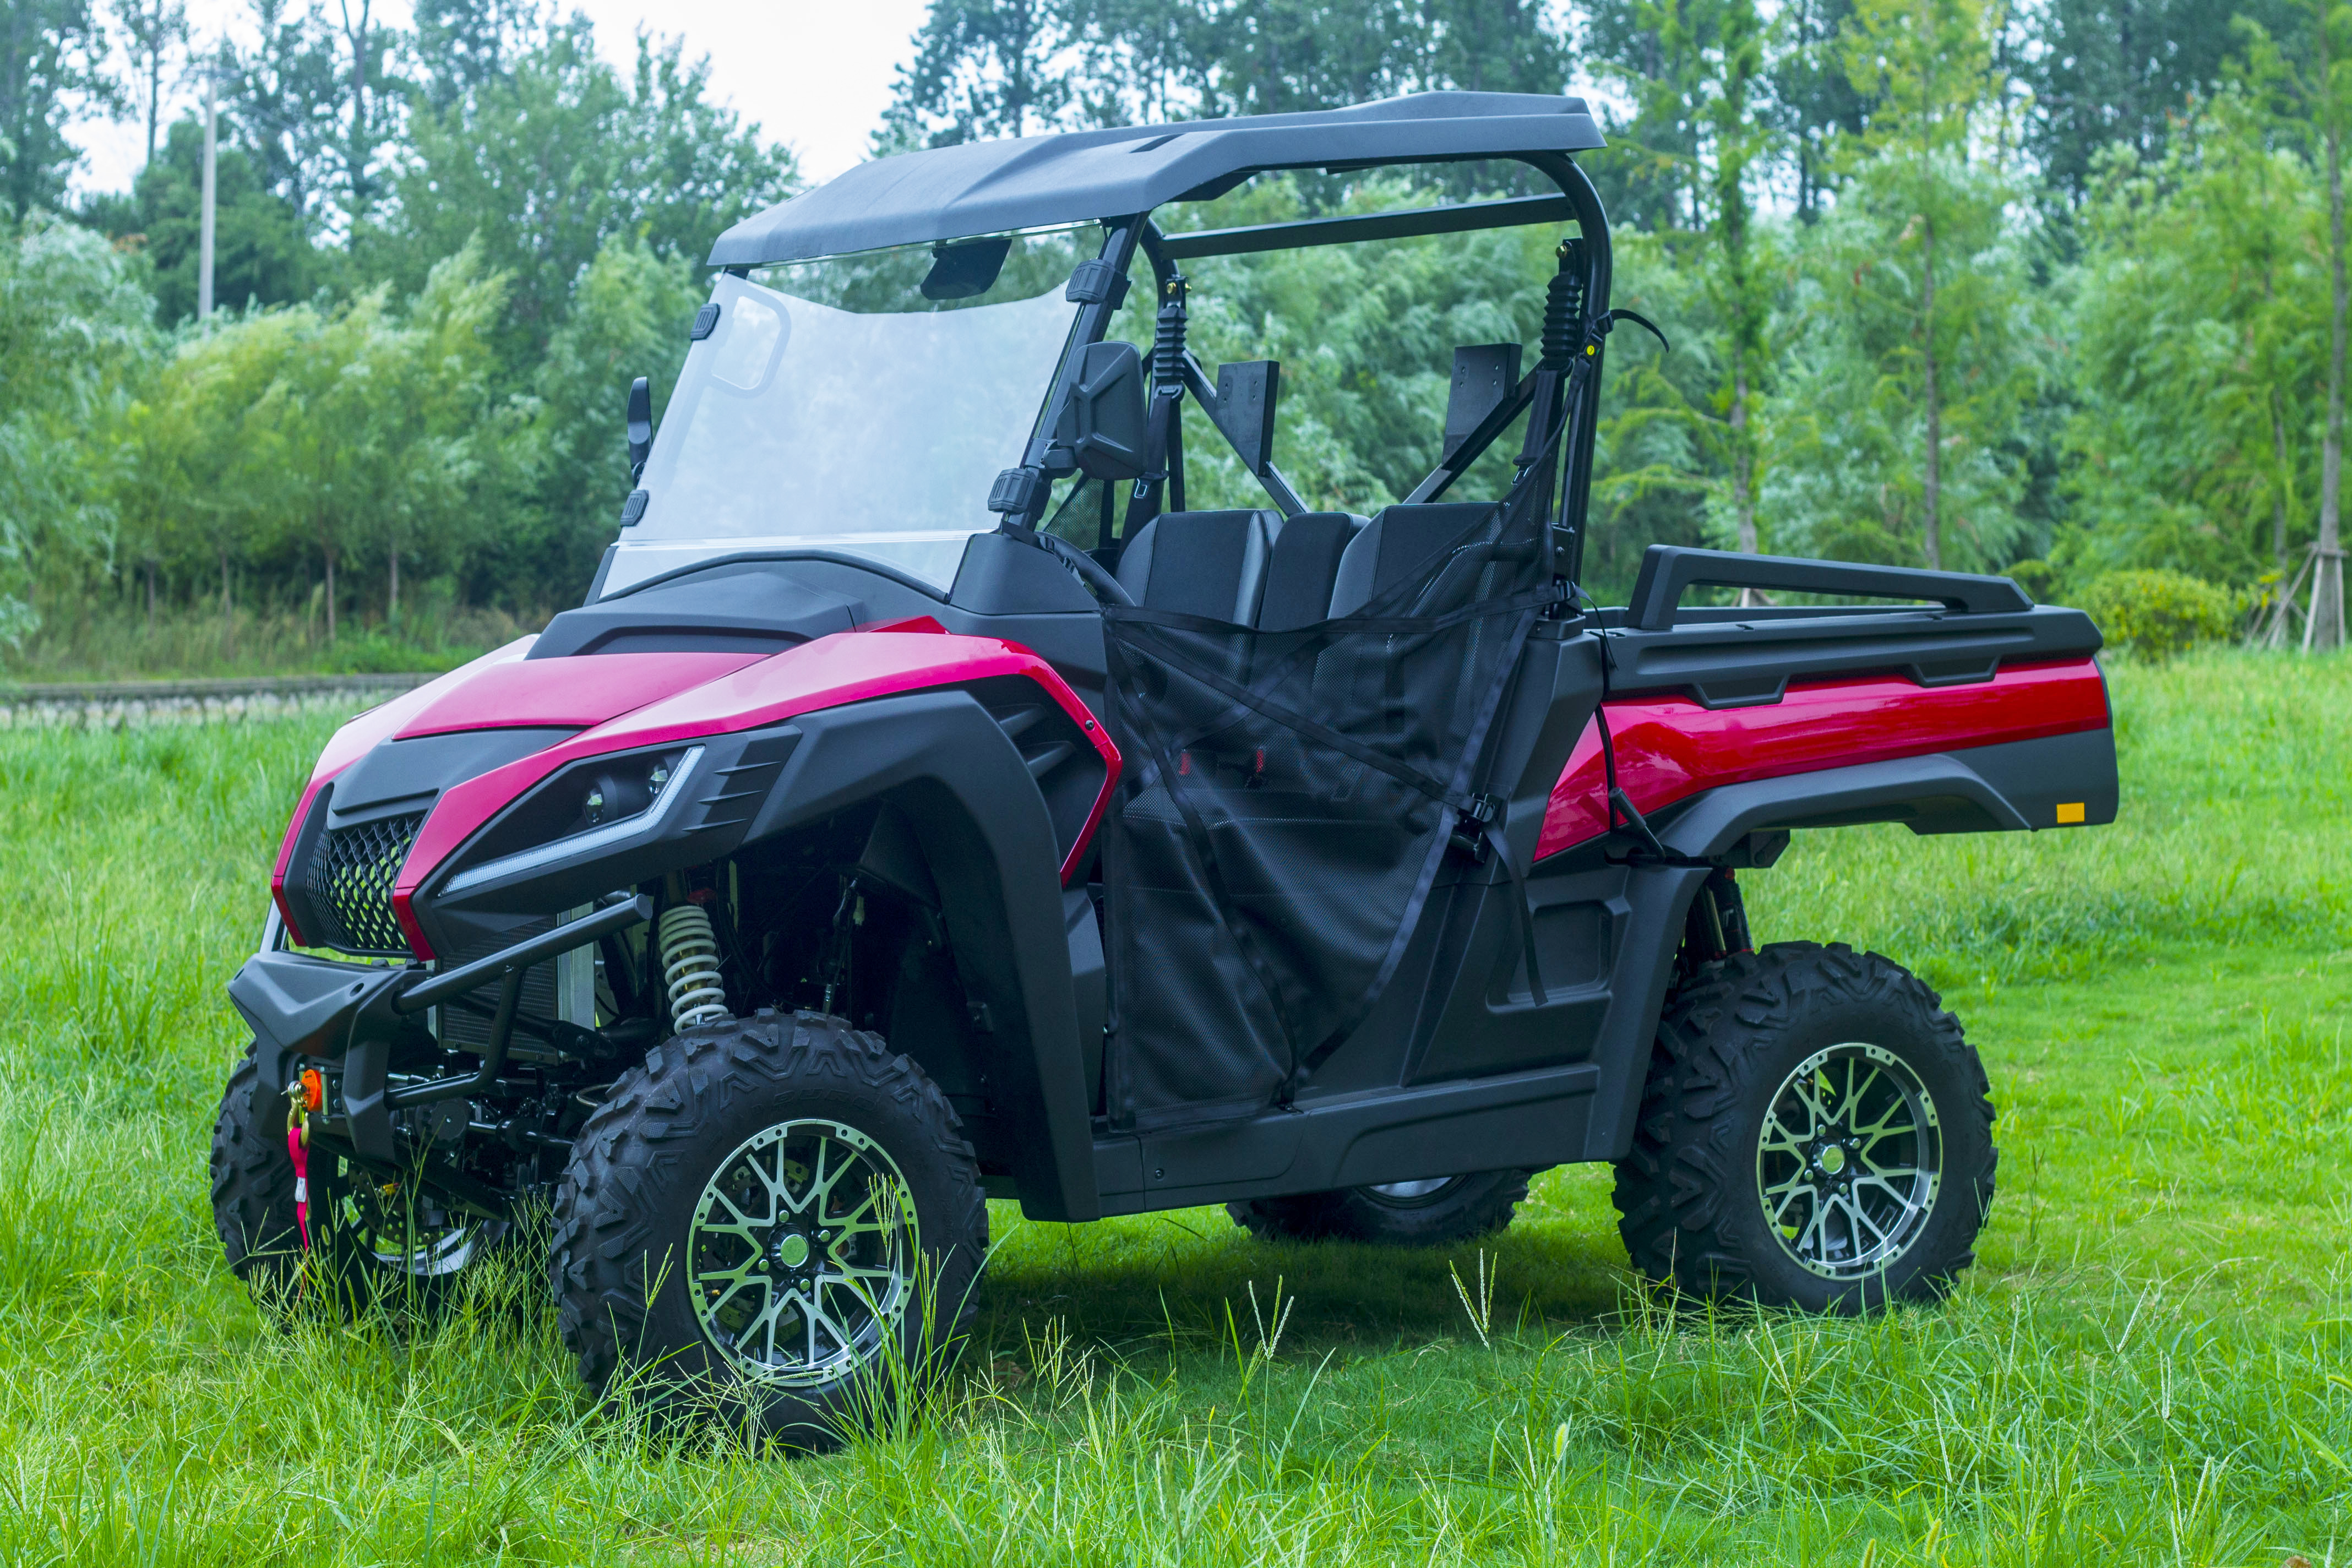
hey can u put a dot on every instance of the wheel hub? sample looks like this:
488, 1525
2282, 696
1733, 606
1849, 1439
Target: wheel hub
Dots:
1848, 1161
405, 1234
802, 1251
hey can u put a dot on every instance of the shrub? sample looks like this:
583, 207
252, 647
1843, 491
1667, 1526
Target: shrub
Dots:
2158, 614
2038, 578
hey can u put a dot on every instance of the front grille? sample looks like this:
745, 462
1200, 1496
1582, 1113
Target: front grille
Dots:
351, 884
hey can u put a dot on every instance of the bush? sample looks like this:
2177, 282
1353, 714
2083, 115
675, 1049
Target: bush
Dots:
2158, 614
2038, 578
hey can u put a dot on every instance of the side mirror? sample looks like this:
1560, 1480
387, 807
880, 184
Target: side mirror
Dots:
641, 425
1104, 425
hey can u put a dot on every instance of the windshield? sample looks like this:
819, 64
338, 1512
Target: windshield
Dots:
872, 425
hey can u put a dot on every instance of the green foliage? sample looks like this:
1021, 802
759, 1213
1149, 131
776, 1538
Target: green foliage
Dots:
2199, 336
328, 433
1918, 314
2158, 614
52, 54
261, 254
628, 316
74, 335
1014, 68
545, 164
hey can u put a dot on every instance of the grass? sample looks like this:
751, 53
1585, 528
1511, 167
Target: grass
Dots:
2152, 1362
84, 640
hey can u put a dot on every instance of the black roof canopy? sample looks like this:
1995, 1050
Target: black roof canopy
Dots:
1037, 182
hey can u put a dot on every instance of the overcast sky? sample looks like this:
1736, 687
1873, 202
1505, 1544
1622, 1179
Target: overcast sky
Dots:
814, 74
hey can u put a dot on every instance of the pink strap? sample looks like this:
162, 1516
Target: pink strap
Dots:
301, 1183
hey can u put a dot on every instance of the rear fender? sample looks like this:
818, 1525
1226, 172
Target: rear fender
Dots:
2030, 749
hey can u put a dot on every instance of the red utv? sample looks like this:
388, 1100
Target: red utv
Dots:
927, 804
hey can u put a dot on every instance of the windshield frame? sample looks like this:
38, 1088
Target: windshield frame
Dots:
926, 556
1024, 495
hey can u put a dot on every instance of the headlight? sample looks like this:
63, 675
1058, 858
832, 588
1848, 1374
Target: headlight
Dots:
588, 806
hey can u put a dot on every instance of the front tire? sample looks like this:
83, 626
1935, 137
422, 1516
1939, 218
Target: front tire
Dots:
1435, 1213
372, 1244
775, 1220
1815, 1133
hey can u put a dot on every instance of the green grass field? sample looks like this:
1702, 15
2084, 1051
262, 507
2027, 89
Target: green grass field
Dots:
2151, 1364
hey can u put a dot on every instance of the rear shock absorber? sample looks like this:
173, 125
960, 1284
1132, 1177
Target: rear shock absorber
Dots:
689, 958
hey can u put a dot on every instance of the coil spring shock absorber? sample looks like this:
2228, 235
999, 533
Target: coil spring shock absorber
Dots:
689, 958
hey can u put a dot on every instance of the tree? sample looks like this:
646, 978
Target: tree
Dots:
74, 334
1814, 102
319, 106
1011, 67
1737, 281
261, 254
1926, 283
282, 100
2308, 84
153, 29
347, 433
544, 164
52, 59
981, 69
465, 46
1646, 48
2200, 326
629, 316
2120, 72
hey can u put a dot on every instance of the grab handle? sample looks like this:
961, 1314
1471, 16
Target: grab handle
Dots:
1668, 570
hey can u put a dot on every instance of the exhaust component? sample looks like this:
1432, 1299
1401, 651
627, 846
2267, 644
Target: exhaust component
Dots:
690, 957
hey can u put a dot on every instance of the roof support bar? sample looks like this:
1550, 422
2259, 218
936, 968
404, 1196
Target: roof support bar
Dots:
1458, 219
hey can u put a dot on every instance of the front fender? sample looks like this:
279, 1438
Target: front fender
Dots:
992, 855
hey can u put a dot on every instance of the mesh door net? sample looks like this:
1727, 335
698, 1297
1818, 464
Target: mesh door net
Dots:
1287, 800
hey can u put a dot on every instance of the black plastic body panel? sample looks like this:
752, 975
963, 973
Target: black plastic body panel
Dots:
397, 777
751, 607
300, 1006
989, 846
1532, 1119
2017, 785
731, 782
1726, 662
765, 603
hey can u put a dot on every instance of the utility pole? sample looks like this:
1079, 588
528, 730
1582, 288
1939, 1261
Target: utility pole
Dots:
206, 223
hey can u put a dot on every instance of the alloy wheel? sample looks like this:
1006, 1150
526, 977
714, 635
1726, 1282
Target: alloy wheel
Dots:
802, 1252
1411, 1192
404, 1233
1848, 1161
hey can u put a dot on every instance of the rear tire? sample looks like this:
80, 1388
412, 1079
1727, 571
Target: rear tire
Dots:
1394, 1214
1815, 1133
775, 1221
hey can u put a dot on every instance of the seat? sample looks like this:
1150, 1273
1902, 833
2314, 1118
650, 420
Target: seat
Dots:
1399, 542
1302, 569
1211, 564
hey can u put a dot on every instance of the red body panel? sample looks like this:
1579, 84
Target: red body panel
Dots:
356, 739
844, 667
1671, 748
581, 691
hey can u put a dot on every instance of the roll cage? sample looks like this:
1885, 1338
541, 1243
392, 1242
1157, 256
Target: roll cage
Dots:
1022, 494
948, 196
